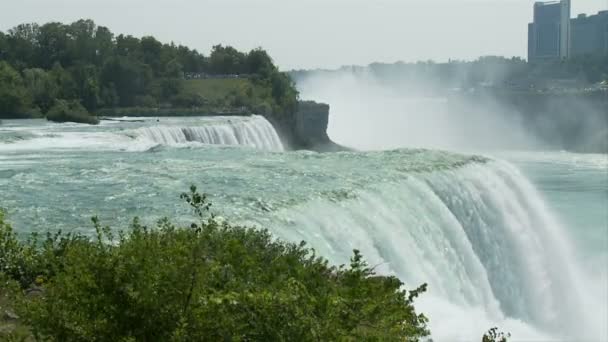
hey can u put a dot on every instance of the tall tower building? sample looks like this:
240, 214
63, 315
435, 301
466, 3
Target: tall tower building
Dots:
589, 35
549, 33
564, 48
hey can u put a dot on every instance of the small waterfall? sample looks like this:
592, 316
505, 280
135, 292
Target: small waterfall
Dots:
254, 132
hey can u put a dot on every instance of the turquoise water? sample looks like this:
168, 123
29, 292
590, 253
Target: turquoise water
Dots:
516, 240
576, 188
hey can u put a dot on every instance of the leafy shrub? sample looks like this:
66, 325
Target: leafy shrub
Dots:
262, 108
187, 100
146, 101
494, 335
210, 281
70, 111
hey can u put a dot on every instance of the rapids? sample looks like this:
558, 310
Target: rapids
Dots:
487, 242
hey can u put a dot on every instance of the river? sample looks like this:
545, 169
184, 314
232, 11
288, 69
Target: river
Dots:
517, 240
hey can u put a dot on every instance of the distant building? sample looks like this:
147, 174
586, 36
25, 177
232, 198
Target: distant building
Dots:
549, 34
554, 36
589, 35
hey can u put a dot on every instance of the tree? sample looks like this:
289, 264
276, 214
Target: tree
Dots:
192, 61
83, 46
84, 62
226, 60
129, 77
70, 111
41, 87
151, 53
3, 46
86, 79
104, 45
22, 40
174, 69
494, 335
53, 46
109, 96
68, 89
170, 87
14, 98
259, 62
128, 46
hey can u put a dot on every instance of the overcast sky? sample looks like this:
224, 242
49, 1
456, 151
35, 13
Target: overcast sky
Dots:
312, 33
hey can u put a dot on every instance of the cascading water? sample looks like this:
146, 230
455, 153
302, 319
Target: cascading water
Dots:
480, 236
141, 135
474, 229
255, 132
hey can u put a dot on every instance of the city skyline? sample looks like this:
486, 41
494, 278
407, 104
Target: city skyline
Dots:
555, 34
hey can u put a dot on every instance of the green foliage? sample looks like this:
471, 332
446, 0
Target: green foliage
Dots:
68, 89
31, 262
494, 335
42, 87
227, 60
10, 328
145, 101
86, 80
170, 87
129, 77
14, 98
85, 62
70, 111
210, 281
187, 100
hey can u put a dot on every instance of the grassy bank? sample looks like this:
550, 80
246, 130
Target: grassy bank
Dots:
180, 112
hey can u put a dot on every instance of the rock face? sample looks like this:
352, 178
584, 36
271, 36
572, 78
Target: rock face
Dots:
311, 121
306, 129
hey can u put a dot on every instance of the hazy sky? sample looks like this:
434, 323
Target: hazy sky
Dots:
312, 33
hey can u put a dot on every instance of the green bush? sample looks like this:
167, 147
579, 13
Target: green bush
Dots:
262, 108
210, 281
187, 100
70, 111
495, 335
146, 101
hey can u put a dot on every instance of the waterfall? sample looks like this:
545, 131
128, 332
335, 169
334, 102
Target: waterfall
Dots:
479, 235
254, 132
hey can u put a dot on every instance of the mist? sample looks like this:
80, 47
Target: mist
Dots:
396, 106
370, 115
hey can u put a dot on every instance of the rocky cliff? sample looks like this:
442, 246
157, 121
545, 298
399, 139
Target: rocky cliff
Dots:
306, 128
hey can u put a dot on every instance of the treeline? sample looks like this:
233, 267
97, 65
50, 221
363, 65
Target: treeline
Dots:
495, 71
87, 65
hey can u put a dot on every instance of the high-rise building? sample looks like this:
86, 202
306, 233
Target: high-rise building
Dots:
549, 34
589, 35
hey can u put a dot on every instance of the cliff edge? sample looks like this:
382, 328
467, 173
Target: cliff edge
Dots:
306, 128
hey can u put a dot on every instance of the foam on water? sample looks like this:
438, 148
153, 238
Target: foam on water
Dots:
256, 132
480, 236
124, 135
474, 229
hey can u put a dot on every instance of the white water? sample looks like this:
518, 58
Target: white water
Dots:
481, 237
256, 132
477, 232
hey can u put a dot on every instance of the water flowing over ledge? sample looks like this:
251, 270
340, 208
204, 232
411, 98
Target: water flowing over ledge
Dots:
141, 135
475, 229
254, 132
479, 234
